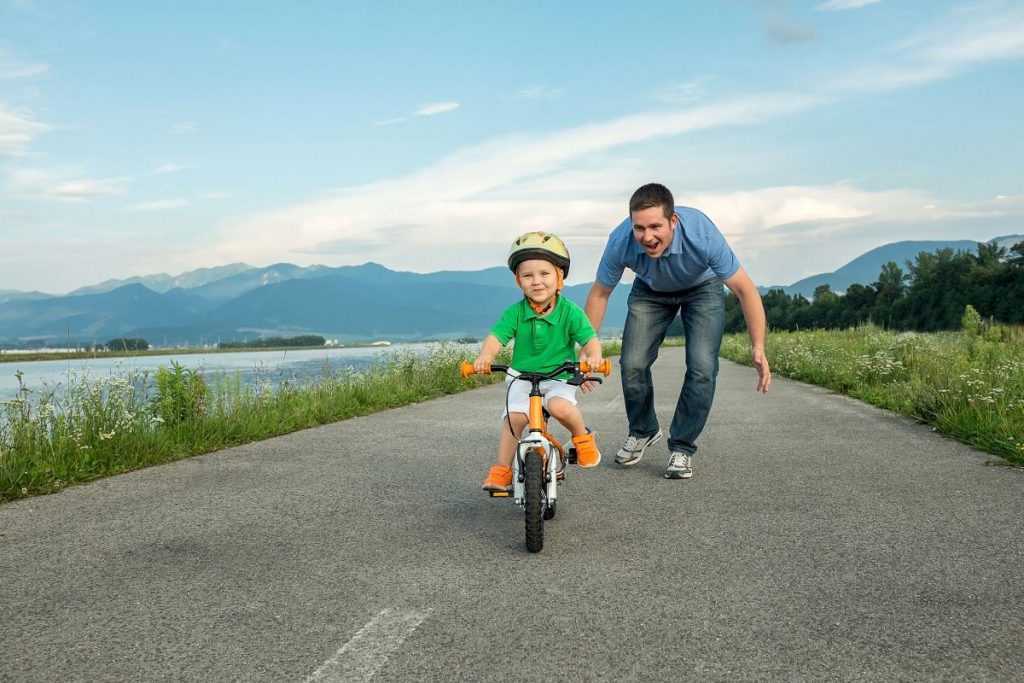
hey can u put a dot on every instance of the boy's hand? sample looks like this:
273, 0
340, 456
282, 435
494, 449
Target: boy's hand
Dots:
482, 363
592, 363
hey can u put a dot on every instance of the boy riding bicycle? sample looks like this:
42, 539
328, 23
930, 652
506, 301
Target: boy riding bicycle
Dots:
546, 327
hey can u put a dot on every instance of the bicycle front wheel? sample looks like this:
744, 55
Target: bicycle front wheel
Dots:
534, 500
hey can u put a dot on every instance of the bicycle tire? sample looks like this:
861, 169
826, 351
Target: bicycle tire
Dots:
534, 501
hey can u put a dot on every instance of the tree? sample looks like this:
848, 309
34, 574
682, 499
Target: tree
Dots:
890, 287
126, 344
939, 291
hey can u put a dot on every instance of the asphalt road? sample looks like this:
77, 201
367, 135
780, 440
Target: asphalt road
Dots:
819, 539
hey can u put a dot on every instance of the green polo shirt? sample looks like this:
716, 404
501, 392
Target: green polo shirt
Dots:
543, 344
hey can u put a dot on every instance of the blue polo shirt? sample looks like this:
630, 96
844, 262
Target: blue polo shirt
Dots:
698, 253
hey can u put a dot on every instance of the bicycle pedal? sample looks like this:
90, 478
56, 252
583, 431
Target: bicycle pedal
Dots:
499, 494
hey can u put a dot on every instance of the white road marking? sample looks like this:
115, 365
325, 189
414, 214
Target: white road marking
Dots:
370, 648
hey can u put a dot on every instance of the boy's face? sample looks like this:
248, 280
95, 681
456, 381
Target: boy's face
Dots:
652, 230
538, 279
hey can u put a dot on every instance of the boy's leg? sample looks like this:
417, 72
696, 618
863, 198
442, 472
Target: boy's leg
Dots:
567, 414
499, 478
510, 437
587, 454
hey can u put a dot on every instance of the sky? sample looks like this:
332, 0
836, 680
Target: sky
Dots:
160, 137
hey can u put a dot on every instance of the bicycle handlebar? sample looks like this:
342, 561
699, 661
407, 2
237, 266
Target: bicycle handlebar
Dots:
466, 369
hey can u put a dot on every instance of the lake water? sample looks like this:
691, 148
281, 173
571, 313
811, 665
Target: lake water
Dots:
263, 366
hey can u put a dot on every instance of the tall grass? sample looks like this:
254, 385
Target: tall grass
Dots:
968, 384
93, 427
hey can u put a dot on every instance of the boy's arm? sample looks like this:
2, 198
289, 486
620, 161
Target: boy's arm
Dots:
591, 352
488, 350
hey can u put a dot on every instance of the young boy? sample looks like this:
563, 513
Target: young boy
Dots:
546, 327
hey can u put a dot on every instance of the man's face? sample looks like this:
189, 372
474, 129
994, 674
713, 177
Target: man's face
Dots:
652, 230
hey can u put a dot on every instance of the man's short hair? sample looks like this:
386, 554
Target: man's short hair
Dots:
653, 194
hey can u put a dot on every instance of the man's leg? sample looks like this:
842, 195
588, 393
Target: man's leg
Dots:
703, 313
646, 324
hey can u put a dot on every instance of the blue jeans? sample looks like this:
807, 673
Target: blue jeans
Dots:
702, 309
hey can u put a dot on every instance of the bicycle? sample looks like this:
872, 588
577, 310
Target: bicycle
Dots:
539, 463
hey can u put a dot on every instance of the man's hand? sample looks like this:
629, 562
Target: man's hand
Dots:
764, 373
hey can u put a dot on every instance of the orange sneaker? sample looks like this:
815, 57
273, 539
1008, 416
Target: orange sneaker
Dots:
587, 454
498, 479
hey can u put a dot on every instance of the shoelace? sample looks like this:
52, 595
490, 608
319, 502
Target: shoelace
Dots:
631, 442
679, 460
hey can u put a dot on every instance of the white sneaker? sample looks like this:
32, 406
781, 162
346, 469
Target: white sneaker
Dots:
679, 466
634, 448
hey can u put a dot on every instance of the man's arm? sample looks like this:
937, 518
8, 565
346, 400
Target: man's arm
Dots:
597, 304
743, 287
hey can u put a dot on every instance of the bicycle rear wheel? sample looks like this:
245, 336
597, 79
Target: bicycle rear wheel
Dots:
534, 501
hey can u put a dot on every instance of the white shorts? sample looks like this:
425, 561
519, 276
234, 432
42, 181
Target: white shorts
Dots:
519, 394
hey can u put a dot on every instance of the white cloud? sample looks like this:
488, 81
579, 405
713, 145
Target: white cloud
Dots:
839, 5
160, 204
432, 109
84, 189
48, 185
965, 38
437, 108
460, 211
12, 68
681, 92
170, 167
454, 197
183, 128
17, 130
537, 92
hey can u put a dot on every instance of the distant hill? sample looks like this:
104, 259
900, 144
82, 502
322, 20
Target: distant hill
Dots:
349, 303
162, 282
352, 303
8, 295
865, 268
92, 316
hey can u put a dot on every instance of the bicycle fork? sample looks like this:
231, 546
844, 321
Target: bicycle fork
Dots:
552, 465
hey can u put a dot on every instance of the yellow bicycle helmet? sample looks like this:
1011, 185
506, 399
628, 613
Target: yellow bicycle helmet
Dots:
541, 245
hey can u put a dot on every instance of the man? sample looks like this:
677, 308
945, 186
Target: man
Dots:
681, 261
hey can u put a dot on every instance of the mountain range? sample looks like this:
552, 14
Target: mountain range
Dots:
349, 303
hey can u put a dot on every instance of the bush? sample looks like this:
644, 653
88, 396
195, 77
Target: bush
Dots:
180, 395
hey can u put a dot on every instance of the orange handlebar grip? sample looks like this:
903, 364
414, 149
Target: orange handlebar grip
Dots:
604, 369
466, 369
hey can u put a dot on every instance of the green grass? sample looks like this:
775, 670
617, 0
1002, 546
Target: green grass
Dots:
968, 385
97, 427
